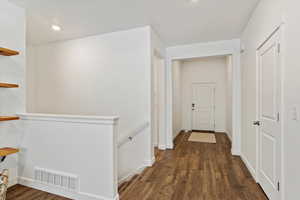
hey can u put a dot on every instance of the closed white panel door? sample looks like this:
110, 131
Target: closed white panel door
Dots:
269, 110
203, 105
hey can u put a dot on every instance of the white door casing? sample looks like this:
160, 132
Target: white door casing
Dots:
158, 101
269, 108
203, 106
220, 48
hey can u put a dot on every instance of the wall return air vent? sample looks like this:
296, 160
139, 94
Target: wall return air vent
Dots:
58, 179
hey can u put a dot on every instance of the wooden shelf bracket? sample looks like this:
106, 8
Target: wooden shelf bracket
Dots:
6, 152
8, 52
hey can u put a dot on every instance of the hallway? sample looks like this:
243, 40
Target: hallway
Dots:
194, 171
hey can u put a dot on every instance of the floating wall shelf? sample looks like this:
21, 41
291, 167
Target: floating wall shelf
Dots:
8, 52
8, 85
8, 151
8, 118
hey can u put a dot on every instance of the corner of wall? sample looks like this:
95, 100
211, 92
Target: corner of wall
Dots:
12, 71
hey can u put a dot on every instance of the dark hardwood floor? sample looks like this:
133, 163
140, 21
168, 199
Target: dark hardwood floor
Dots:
19, 192
193, 171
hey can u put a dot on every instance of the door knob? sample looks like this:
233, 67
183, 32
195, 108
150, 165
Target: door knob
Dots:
256, 123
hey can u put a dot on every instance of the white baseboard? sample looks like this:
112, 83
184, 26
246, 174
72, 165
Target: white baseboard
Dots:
170, 146
220, 131
249, 166
229, 136
149, 163
174, 136
235, 152
162, 147
61, 192
12, 182
128, 176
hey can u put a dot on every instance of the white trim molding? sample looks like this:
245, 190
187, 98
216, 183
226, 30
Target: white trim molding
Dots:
249, 166
13, 182
220, 131
170, 146
200, 50
235, 152
128, 176
149, 163
162, 147
109, 120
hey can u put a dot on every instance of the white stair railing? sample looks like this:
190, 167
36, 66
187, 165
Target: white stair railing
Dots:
132, 134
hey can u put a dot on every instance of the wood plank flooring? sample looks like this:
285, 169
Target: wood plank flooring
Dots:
19, 192
192, 171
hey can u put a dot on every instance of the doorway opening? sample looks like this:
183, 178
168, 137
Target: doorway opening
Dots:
202, 95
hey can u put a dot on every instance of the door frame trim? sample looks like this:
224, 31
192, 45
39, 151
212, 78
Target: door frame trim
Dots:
213, 84
202, 50
280, 31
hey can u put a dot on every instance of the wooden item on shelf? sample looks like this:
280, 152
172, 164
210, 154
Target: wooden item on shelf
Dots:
8, 85
8, 151
8, 118
3, 184
8, 52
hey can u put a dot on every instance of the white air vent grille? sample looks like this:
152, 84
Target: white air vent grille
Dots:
58, 179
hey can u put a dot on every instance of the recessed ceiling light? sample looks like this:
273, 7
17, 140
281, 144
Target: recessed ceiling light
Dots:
194, 1
56, 27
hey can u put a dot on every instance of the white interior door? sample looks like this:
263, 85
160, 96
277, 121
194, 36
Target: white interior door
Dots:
203, 106
269, 112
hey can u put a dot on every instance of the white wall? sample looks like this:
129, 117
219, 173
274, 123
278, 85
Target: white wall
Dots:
205, 70
97, 75
263, 22
106, 74
177, 98
12, 70
229, 96
30, 78
291, 99
83, 146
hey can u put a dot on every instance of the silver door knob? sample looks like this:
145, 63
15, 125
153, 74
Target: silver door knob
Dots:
256, 123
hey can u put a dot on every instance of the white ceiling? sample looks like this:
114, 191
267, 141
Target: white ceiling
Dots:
176, 21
